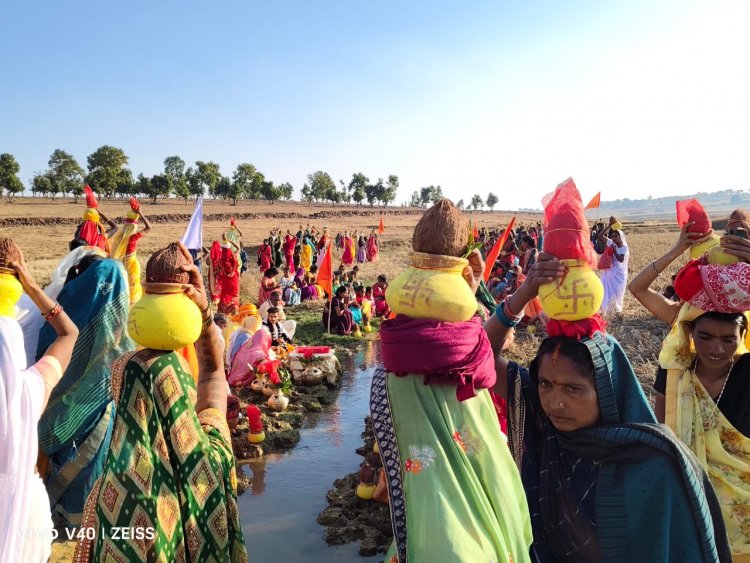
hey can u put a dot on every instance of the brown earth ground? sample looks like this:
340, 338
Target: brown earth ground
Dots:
42, 228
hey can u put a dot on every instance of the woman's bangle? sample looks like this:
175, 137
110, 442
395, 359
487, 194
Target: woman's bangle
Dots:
509, 321
508, 310
54, 312
656, 271
207, 319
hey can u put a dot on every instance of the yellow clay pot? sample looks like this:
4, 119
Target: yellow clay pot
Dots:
365, 491
698, 250
433, 287
165, 321
256, 438
717, 256
577, 296
10, 293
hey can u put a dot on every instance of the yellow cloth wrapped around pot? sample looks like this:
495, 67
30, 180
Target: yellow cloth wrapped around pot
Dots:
717, 256
10, 293
167, 321
433, 287
91, 214
699, 249
576, 296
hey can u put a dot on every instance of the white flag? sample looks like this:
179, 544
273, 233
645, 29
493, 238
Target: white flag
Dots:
193, 237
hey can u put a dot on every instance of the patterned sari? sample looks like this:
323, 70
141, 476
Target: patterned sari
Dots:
169, 471
76, 426
694, 416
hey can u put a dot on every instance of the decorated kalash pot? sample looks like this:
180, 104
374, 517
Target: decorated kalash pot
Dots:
691, 211
10, 287
165, 318
256, 434
579, 294
433, 287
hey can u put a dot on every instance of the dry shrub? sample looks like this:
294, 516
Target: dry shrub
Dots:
443, 229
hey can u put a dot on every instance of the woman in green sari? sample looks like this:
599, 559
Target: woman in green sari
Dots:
169, 477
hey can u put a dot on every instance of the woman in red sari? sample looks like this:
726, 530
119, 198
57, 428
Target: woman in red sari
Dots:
378, 294
227, 275
268, 285
264, 256
372, 247
349, 252
290, 242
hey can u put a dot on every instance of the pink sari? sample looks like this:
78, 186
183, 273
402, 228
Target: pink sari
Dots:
255, 349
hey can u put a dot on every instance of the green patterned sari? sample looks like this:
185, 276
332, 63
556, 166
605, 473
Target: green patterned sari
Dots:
169, 473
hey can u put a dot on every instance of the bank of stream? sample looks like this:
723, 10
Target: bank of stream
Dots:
288, 490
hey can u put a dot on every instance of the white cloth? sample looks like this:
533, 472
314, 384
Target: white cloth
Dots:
28, 315
21, 402
193, 237
615, 279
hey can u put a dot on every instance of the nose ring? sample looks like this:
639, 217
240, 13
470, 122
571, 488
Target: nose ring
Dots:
561, 405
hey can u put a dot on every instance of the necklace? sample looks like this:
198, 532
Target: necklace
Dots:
721, 393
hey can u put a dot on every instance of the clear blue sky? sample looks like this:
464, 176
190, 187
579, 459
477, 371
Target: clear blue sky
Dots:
628, 97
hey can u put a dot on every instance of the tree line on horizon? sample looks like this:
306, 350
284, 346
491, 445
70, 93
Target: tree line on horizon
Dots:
107, 173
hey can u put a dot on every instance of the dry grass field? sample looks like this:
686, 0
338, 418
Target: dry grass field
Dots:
44, 244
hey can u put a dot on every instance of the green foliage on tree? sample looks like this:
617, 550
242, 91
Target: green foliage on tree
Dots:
269, 192
142, 186
320, 187
415, 200
65, 174
460, 204
41, 184
430, 194
209, 175
9, 180
256, 186
390, 190
476, 201
374, 192
174, 171
194, 183
242, 182
223, 187
286, 191
357, 187
492, 200
125, 184
159, 186
105, 166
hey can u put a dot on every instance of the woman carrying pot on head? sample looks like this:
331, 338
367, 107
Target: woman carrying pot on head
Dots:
124, 245
602, 479
170, 467
615, 278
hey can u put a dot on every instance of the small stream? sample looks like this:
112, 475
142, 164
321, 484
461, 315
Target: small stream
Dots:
278, 513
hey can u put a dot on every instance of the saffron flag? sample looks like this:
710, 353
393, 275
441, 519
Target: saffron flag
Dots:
381, 228
595, 201
325, 273
495, 252
475, 232
193, 237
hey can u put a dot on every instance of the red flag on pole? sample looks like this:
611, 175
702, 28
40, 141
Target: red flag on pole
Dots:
474, 231
325, 273
495, 252
595, 201
381, 228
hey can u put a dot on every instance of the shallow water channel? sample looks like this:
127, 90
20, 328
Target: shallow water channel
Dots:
278, 512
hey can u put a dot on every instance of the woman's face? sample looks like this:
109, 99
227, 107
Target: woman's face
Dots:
716, 342
568, 396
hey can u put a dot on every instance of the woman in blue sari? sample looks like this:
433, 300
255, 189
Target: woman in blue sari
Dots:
603, 480
75, 429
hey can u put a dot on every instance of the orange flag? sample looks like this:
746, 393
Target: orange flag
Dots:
595, 201
381, 228
325, 273
474, 231
495, 252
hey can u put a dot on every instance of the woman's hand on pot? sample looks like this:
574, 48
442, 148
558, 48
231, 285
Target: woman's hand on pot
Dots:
24, 276
546, 269
474, 272
197, 291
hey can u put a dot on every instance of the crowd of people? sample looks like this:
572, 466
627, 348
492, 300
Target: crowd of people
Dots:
114, 396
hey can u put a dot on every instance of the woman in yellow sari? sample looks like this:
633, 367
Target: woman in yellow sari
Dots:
703, 384
123, 247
